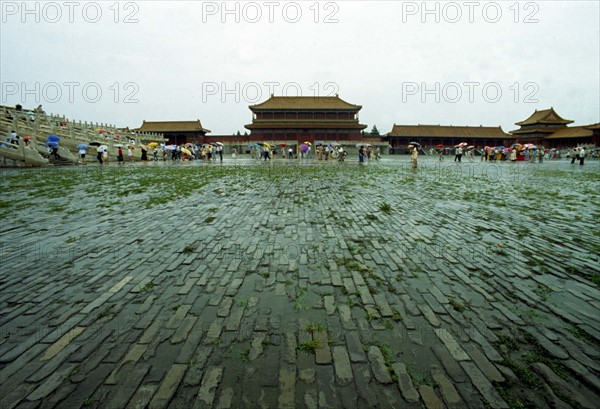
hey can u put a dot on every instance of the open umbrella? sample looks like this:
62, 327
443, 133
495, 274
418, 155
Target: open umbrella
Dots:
219, 143
28, 137
471, 147
52, 144
283, 145
101, 130
500, 147
307, 143
82, 146
153, 144
118, 145
439, 146
170, 147
53, 138
415, 144
461, 145
304, 147
94, 143
105, 147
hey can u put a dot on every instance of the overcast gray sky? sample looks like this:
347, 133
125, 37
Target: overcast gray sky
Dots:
460, 63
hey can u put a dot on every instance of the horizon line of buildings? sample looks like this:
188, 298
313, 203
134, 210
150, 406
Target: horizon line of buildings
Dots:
295, 120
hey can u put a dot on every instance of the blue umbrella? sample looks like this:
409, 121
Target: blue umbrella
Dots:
53, 138
82, 146
52, 144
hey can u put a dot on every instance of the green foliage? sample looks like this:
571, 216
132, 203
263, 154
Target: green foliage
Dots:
309, 347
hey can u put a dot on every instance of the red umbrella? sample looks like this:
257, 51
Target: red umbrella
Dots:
101, 130
282, 145
26, 138
439, 146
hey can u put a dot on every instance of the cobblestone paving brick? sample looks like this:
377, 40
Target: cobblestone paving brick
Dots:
203, 299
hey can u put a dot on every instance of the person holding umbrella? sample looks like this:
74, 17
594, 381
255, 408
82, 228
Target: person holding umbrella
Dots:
99, 151
82, 152
144, 153
414, 154
458, 154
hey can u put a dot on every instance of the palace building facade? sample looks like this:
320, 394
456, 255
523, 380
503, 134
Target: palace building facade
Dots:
295, 120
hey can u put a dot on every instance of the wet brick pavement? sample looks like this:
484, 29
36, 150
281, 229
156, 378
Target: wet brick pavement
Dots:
300, 284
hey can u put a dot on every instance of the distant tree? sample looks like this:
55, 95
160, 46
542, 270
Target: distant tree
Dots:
375, 131
245, 133
239, 134
363, 132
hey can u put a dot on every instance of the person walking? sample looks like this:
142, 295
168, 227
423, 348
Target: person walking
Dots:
82, 153
361, 154
414, 154
120, 155
575, 155
581, 156
458, 154
99, 151
130, 153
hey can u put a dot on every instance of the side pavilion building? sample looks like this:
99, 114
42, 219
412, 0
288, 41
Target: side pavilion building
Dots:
429, 136
539, 126
177, 132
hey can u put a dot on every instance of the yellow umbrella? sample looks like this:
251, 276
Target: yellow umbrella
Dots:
153, 144
267, 145
186, 151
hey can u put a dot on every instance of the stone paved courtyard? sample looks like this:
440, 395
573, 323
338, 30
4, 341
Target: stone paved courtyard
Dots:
300, 284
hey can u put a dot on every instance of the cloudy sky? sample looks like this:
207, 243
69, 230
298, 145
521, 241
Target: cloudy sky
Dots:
459, 63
